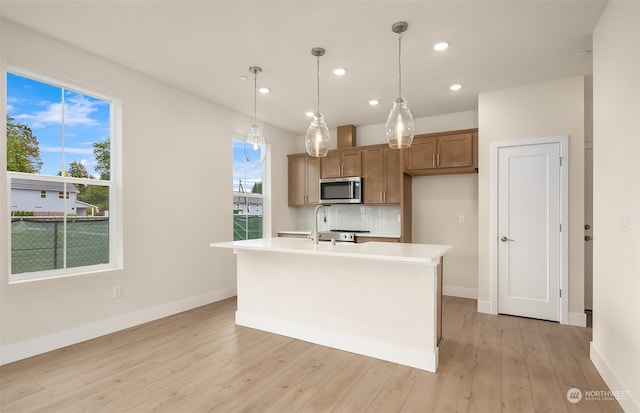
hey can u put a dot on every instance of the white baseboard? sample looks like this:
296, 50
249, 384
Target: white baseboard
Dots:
626, 398
578, 319
485, 307
412, 357
43, 344
461, 292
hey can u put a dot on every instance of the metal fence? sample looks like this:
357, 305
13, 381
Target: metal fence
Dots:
247, 227
38, 243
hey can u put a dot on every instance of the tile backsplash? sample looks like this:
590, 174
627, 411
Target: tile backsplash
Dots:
375, 219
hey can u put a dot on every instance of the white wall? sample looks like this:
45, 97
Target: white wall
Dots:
176, 152
437, 203
615, 349
532, 111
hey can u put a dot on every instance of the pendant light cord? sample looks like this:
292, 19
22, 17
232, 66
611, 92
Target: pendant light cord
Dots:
255, 97
318, 77
399, 64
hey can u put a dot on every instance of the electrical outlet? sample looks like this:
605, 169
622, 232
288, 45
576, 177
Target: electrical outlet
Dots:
117, 292
461, 219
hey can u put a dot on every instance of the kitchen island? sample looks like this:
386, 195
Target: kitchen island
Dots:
378, 299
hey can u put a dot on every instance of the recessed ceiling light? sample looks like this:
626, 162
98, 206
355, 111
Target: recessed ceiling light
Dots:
455, 86
308, 114
339, 71
373, 102
584, 53
440, 46
264, 90
243, 77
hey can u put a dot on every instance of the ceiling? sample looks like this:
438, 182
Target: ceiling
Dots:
205, 46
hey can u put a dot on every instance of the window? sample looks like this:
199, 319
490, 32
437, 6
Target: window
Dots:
248, 198
59, 140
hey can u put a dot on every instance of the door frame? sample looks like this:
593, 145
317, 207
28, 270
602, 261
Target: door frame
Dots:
563, 140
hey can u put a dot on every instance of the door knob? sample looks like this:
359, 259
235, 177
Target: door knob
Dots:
587, 226
587, 238
505, 239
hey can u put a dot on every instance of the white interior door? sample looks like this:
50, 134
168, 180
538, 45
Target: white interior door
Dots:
529, 239
588, 229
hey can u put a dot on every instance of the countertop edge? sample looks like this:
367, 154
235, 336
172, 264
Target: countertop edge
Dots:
341, 250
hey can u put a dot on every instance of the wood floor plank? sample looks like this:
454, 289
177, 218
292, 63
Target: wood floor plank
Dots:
456, 391
516, 386
486, 389
546, 390
200, 360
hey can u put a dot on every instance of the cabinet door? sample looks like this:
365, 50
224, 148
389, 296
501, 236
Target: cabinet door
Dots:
455, 151
393, 175
313, 180
297, 180
373, 176
331, 165
422, 154
352, 163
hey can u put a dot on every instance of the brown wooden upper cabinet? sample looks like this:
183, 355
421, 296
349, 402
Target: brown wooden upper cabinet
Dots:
442, 154
382, 176
339, 163
304, 180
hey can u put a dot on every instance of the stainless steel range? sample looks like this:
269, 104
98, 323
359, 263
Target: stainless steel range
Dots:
340, 235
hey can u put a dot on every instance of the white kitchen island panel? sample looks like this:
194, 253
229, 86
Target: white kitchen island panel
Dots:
337, 296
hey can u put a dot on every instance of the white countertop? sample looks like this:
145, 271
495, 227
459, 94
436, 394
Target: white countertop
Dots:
414, 253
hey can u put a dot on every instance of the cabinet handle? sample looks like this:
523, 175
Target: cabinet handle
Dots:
433, 160
384, 197
438, 159
381, 196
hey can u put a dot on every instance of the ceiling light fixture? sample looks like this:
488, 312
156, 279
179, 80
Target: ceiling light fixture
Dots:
339, 71
373, 102
264, 90
400, 126
255, 138
308, 114
318, 138
438, 47
455, 86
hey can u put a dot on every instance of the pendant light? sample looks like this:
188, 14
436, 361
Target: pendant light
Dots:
400, 126
318, 138
255, 138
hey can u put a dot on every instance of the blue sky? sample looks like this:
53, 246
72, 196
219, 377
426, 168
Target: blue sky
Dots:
39, 106
246, 165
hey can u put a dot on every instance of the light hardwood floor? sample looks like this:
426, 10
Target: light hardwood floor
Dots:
201, 361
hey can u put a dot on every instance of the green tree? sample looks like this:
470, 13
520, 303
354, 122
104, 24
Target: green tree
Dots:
257, 188
102, 152
77, 170
23, 149
96, 195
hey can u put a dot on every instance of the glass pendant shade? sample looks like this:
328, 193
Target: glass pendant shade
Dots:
255, 138
318, 138
400, 126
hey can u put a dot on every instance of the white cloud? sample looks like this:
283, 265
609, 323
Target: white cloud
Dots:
58, 149
77, 111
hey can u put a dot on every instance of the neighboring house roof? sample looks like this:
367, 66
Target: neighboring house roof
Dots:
36, 185
250, 200
85, 205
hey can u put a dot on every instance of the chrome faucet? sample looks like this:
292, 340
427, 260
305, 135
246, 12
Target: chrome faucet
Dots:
315, 237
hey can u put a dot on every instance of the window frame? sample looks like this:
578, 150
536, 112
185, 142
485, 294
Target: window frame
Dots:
114, 184
266, 188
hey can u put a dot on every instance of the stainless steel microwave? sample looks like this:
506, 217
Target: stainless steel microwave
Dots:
341, 190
